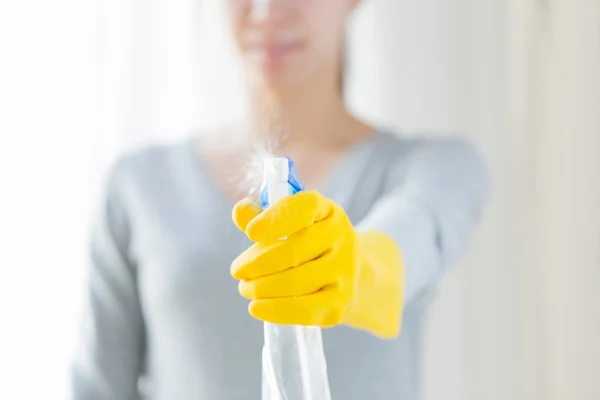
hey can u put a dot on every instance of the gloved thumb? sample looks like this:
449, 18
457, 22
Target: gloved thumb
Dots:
245, 211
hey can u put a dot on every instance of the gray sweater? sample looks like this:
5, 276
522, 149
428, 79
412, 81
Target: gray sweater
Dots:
161, 302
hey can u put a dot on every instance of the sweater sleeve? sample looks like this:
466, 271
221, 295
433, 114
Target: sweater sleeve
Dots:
108, 358
434, 197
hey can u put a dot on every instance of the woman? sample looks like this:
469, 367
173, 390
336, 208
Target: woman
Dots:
362, 253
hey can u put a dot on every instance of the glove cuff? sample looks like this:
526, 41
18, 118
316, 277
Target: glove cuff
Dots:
380, 287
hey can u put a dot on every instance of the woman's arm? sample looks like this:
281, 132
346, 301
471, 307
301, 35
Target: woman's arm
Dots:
433, 200
327, 272
109, 357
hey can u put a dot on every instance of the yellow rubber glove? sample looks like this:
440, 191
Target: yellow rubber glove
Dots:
324, 273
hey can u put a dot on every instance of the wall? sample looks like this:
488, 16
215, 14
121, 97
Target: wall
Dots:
555, 104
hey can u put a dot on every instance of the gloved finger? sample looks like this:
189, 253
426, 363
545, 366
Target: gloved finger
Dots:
312, 310
303, 280
245, 211
271, 257
289, 215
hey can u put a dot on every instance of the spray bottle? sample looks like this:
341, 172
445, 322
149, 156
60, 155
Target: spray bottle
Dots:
294, 365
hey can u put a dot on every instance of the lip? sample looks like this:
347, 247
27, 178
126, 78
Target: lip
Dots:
275, 52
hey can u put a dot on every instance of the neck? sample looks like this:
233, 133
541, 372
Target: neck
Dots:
306, 113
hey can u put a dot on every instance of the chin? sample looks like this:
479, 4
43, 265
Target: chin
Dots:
279, 76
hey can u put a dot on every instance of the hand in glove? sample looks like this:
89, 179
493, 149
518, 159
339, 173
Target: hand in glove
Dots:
324, 273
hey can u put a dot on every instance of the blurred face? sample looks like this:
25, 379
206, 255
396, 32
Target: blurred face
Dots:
289, 42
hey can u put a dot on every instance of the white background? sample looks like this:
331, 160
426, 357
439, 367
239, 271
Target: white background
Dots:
81, 80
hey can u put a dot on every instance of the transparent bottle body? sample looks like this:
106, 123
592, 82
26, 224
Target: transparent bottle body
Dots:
294, 365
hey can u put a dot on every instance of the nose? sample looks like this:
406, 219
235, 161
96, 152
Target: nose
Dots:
263, 10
